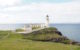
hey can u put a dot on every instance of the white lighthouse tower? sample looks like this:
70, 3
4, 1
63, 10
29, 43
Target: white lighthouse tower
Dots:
47, 21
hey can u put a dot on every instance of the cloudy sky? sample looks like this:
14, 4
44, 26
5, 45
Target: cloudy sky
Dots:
34, 11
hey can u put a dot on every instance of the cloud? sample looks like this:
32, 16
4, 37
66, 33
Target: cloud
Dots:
9, 2
68, 12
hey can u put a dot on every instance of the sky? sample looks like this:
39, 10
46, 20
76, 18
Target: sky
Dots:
35, 11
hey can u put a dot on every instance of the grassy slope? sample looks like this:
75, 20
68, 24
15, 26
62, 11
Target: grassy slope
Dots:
16, 42
47, 34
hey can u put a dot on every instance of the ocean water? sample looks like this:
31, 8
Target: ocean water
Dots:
72, 31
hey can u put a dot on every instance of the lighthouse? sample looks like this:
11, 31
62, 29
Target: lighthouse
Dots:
47, 21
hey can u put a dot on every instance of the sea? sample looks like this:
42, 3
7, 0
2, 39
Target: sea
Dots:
71, 31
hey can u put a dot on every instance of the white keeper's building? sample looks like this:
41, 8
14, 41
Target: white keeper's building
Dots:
28, 27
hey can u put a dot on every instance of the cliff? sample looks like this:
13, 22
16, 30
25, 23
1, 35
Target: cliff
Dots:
48, 35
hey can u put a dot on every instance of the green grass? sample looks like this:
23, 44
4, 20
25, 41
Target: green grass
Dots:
47, 34
42, 36
20, 30
16, 42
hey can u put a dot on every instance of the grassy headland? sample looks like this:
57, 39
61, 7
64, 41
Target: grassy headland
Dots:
48, 34
17, 42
